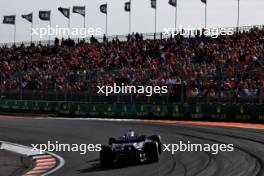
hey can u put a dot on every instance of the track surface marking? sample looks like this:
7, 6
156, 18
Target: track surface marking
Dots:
246, 160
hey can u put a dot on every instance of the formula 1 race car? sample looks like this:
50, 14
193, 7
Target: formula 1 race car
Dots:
131, 148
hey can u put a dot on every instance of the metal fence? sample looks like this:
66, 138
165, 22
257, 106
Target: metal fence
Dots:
178, 95
85, 96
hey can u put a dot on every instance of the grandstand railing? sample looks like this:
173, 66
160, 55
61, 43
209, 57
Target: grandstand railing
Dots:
84, 96
158, 35
179, 95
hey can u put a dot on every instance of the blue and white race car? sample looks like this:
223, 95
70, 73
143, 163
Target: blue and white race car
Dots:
131, 148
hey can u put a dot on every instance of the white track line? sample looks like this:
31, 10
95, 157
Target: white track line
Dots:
60, 165
144, 121
40, 166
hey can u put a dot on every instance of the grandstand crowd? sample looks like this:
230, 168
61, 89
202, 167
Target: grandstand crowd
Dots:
223, 65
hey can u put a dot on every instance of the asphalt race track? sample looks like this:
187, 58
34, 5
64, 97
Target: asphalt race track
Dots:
246, 160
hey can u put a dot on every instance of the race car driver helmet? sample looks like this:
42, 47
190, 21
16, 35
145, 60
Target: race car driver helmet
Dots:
130, 134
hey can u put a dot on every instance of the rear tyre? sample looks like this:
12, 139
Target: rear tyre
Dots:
151, 152
157, 139
106, 157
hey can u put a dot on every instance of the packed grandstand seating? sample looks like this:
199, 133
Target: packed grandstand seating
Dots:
225, 65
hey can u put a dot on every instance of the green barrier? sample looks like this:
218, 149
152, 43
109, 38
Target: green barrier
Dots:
5, 104
66, 108
81, 109
230, 112
29, 105
109, 110
260, 113
95, 110
44, 106
252, 111
242, 112
117, 109
122, 110
53, 106
218, 111
196, 111
24, 105
128, 110
212, 111
161, 111
145, 110
36, 106
16, 105
206, 111
176, 111
40, 106
11, 104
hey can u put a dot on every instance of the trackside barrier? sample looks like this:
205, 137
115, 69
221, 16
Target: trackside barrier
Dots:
209, 111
